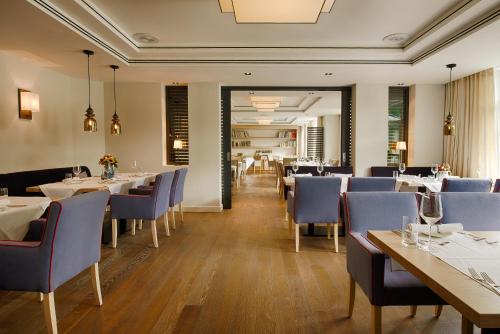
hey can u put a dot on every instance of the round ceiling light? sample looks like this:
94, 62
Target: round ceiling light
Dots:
145, 38
396, 38
247, 73
328, 73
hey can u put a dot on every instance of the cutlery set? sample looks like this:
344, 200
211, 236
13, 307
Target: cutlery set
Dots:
485, 280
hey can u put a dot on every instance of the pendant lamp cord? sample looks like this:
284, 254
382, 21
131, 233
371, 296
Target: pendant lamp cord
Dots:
88, 74
449, 97
114, 87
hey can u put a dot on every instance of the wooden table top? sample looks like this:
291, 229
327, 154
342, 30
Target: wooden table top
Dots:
476, 303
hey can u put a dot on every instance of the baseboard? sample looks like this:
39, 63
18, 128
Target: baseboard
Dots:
202, 208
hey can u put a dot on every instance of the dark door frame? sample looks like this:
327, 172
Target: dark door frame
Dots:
346, 124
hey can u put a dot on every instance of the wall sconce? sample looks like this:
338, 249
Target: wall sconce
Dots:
28, 103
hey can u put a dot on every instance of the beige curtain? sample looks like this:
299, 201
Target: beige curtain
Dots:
473, 151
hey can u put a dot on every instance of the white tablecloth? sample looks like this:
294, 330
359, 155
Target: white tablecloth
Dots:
120, 185
15, 217
411, 184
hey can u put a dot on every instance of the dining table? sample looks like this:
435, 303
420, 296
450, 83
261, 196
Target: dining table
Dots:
16, 213
120, 184
446, 270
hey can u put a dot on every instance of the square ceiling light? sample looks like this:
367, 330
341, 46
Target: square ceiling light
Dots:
266, 102
276, 11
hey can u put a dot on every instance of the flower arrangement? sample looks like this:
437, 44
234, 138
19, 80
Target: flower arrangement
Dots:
444, 167
108, 161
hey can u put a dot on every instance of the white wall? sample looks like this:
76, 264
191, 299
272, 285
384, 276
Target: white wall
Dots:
429, 114
203, 186
331, 125
370, 115
55, 136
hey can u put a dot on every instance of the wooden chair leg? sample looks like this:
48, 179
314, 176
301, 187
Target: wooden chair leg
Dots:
153, 232
376, 320
173, 216
96, 283
49, 310
297, 232
182, 212
352, 295
413, 310
140, 224
290, 221
336, 237
114, 232
165, 221
286, 213
328, 232
133, 226
437, 310
40, 297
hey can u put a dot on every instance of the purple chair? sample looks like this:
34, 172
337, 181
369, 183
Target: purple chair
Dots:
314, 201
148, 206
475, 211
496, 187
71, 243
466, 185
368, 266
371, 184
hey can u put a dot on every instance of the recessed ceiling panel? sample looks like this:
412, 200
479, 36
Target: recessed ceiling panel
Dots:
277, 11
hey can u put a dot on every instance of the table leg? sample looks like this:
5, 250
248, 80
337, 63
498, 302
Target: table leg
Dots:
467, 326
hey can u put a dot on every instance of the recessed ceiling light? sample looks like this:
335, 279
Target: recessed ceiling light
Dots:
251, 93
328, 73
401, 84
311, 93
247, 73
396, 38
145, 38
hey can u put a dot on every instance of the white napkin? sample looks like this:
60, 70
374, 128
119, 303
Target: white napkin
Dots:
4, 202
300, 175
440, 228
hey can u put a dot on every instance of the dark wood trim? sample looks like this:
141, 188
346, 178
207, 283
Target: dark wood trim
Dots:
226, 147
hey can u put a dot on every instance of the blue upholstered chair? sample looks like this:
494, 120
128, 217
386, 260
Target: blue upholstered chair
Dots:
368, 266
150, 206
371, 184
314, 201
496, 187
466, 185
476, 211
71, 243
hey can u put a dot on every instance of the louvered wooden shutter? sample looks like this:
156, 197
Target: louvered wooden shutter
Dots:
397, 122
177, 120
315, 141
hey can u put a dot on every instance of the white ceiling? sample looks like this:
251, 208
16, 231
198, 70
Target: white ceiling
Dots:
199, 43
297, 107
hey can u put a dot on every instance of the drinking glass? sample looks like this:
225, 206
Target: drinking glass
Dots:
434, 169
328, 174
77, 170
295, 167
431, 212
402, 167
409, 236
320, 168
4, 191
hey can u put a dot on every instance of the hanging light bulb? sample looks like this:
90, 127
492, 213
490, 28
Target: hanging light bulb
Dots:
90, 123
116, 128
449, 123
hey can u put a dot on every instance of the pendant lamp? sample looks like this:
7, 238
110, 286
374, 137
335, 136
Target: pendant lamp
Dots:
90, 123
449, 123
116, 128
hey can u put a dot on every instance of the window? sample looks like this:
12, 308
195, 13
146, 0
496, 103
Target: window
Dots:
397, 124
177, 125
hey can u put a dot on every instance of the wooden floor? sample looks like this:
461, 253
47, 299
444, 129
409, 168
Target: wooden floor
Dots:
233, 272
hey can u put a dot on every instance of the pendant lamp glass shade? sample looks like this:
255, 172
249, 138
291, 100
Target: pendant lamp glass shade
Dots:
449, 122
116, 127
90, 123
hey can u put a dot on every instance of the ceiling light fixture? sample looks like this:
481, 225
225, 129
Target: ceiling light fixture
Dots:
266, 102
116, 127
276, 11
449, 123
328, 73
264, 121
247, 73
145, 38
265, 109
90, 123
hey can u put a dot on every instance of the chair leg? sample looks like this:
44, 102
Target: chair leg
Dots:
437, 310
49, 310
182, 212
140, 224
165, 221
336, 237
286, 213
376, 320
133, 226
153, 232
173, 216
96, 283
290, 221
114, 232
40, 297
328, 232
297, 231
352, 295
413, 310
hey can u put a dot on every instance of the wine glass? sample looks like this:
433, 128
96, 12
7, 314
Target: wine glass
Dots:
434, 169
77, 170
320, 168
295, 167
402, 167
431, 212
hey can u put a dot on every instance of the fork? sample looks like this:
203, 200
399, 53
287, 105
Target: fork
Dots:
482, 281
488, 279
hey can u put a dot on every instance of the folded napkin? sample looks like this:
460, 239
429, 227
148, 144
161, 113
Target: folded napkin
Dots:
439, 228
300, 175
4, 202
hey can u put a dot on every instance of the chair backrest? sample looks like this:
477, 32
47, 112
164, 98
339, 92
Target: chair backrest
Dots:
371, 184
316, 199
386, 171
177, 192
378, 210
466, 185
476, 211
161, 193
72, 238
496, 187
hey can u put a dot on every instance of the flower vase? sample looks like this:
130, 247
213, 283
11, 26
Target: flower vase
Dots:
108, 172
